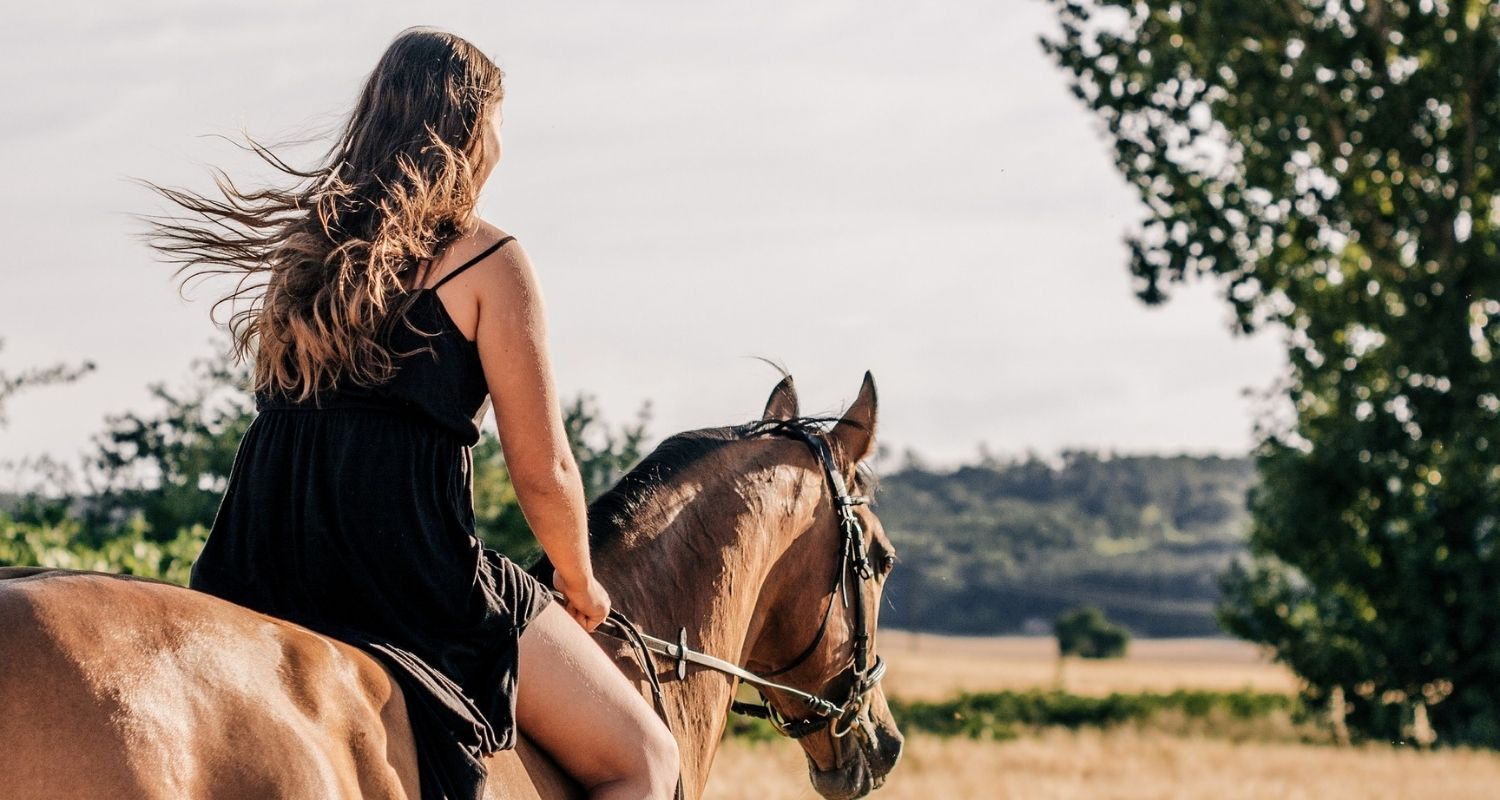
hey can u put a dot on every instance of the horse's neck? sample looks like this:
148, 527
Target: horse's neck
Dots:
702, 570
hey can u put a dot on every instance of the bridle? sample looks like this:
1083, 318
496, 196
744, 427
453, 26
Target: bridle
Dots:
840, 715
864, 673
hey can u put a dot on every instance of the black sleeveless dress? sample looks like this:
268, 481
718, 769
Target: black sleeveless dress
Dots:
353, 515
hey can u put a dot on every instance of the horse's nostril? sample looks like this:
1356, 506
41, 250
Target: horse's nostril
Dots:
885, 753
892, 754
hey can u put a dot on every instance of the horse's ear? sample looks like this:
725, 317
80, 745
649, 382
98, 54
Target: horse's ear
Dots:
783, 402
854, 434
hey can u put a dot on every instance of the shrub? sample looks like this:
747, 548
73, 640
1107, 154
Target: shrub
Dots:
1085, 632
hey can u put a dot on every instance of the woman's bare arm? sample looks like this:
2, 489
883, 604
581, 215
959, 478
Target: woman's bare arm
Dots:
512, 339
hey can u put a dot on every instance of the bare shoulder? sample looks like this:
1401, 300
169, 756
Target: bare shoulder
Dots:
507, 270
486, 233
495, 266
505, 283
478, 239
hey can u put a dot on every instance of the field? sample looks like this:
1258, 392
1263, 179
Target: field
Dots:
1124, 762
930, 667
1121, 764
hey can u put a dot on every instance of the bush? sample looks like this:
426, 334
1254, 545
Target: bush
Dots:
999, 716
1087, 633
132, 552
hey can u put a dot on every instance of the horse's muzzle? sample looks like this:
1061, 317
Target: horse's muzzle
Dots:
878, 750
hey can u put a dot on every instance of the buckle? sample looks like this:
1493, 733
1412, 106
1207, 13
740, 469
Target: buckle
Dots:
682, 653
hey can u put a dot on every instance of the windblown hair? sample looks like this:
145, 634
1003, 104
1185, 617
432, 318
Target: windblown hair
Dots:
326, 261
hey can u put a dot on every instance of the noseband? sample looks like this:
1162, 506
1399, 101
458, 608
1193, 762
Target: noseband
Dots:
840, 716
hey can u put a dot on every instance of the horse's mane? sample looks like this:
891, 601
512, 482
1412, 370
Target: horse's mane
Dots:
611, 513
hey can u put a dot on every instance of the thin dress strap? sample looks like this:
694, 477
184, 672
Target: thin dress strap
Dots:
471, 262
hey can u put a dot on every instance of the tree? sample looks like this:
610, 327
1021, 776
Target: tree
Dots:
172, 467
1086, 633
34, 501
155, 482
1334, 166
602, 454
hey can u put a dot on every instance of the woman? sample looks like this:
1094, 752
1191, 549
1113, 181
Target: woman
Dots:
388, 311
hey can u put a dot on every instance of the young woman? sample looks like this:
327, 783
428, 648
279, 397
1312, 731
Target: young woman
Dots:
387, 311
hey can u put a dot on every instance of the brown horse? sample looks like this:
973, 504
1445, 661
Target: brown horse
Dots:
123, 687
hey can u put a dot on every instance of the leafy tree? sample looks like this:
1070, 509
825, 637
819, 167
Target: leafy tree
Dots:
497, 514
1008, 546
171, 467
157, 478
603, 455
35, 499
1334, 165
1086, 633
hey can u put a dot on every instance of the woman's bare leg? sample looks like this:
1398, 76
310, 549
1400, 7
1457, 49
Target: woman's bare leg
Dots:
577, 705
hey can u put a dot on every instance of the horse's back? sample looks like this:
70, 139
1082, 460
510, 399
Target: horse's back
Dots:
133, 688
124, 687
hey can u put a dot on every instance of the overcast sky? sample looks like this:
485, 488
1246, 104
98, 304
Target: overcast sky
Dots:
907, 188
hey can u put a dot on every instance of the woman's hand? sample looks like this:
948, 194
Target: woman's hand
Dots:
588, 603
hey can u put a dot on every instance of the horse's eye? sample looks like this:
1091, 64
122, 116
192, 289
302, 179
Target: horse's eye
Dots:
887, 563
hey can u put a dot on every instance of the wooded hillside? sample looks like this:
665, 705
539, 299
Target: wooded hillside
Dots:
1005, 547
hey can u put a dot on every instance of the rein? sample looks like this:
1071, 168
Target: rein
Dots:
843, 715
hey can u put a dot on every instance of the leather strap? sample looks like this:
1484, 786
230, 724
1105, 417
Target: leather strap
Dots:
471, 262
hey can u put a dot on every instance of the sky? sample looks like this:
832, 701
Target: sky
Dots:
904, 188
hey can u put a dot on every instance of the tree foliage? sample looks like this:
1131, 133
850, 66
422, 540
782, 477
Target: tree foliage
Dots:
1087, 634
153, 486
171, 465
1333, 165
13, 383
1004, 547
64, 544
602, 453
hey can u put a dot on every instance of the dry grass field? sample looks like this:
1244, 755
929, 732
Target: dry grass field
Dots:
1124, 764
930, 667
1115, 764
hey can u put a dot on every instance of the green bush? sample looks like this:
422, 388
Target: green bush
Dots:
1085, 632
61, 544
1002, 715
992, 715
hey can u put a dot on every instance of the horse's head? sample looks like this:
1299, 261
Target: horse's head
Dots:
819, 607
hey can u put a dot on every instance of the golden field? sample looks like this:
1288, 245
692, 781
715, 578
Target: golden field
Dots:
1124, 762
931, 667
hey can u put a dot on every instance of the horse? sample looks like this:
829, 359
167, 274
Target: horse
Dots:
723, 538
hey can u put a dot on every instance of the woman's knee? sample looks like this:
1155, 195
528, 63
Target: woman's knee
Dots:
661, 755
650, 758
619, 738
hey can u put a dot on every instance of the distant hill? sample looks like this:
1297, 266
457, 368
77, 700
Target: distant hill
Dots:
1005, 547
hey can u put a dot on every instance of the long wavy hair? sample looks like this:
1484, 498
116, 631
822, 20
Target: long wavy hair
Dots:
336, 250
